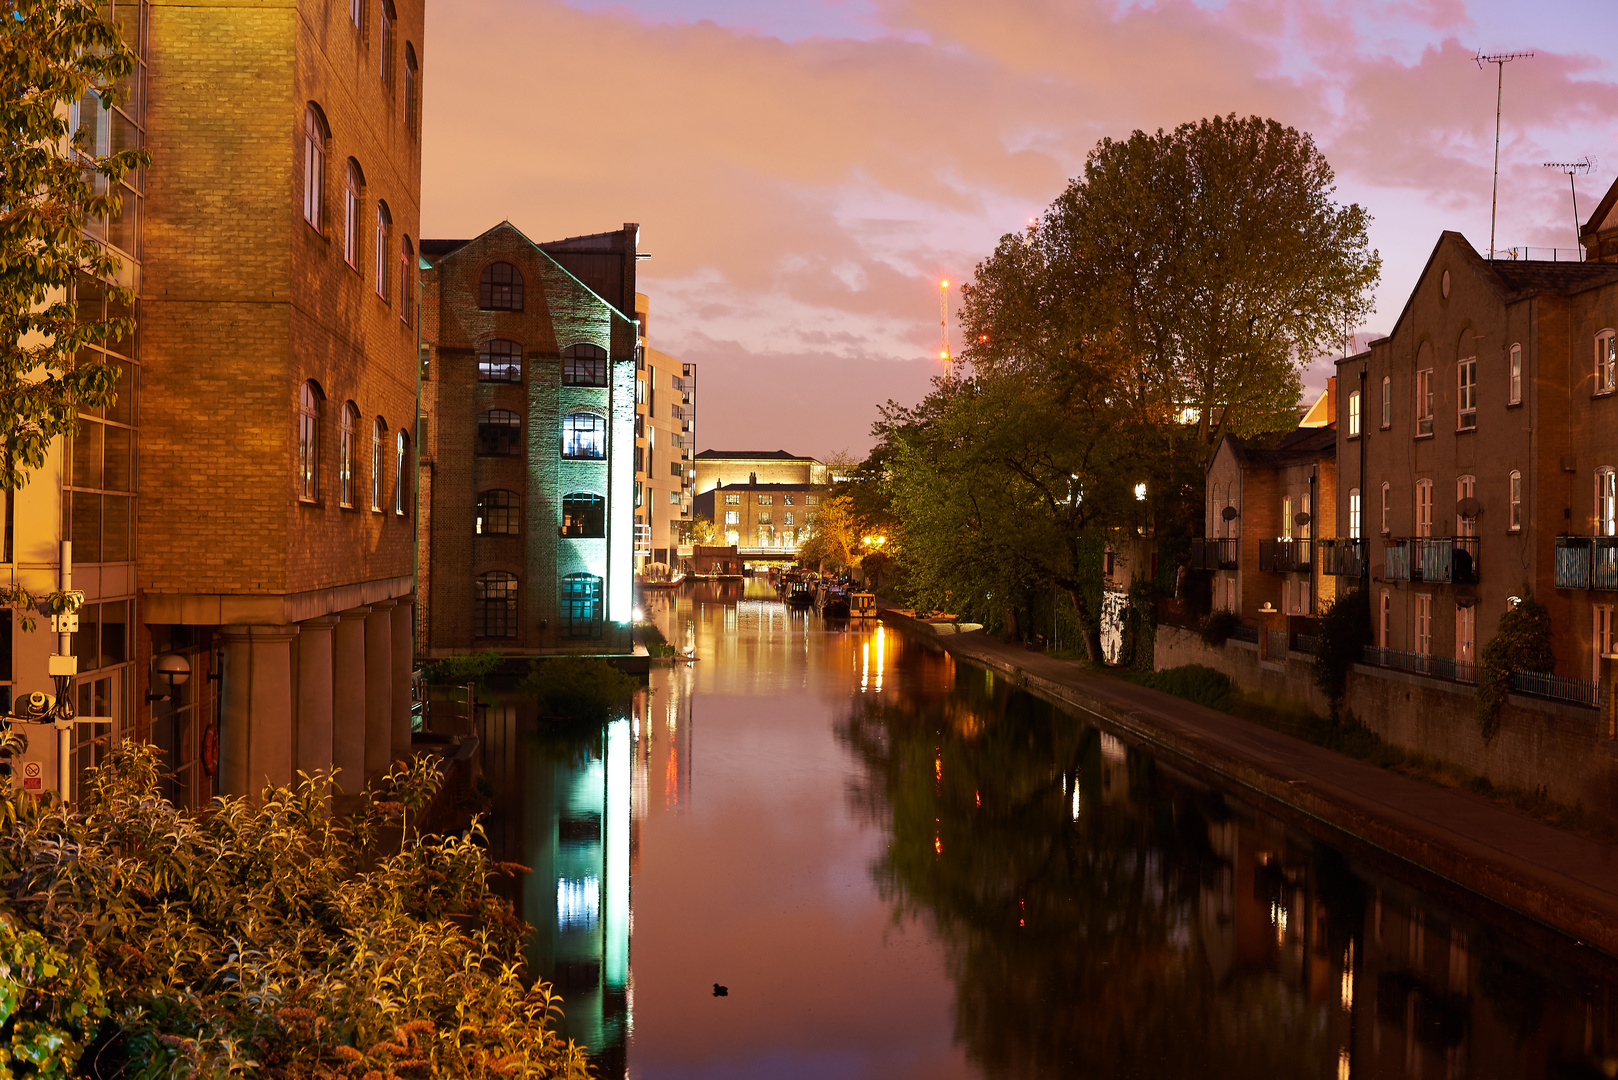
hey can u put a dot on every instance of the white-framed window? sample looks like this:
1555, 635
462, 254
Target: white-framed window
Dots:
1305, 531
384, 221
1424, 508
1424, 402
1515, 523
1606, 362
1384, 610
733, 498
1465, 634
352, 184
1387, 402
1600, 639
1354, 415
385, 35
1466, 487
1424, 624
345, 455
407, 263
1286, 517
733, 517
309, 441
376, 464
1387, 496
410, 89
315, 136
1466, 393
1354, 513
1514, 386
401, 474
1606, 502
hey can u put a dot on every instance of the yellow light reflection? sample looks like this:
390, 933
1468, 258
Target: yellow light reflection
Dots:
865, 666
881, 651
1348, 978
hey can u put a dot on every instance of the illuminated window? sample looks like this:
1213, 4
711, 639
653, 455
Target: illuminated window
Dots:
811, 500
1606, 502
733, 517
352, 185
1424, 402
1286, 517
764, 517
584, 437
384, 222
674, 496
500, 361
1465, 633
581, 605
1466, 487
500, 288
1385, 610
407, 263
1606, 362
1516, 375
1516, 501
401, 475
385, 35
499, 433
356, 10
584, 515
377, 428
345, 455
494, 608
1386, 491
765, 500
732, 499
584, 365
497, 513
786, 500
1466, 393
1424, 624
309, 441
1354, 415
1354, 513
315, 136
1424, 508
786, 519
410, 102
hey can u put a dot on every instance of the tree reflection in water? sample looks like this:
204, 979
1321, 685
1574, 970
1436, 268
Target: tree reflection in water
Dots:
1103, 918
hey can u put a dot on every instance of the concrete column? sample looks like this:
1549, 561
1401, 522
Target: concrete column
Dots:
314, 742
379, 688
404, 658
348, 698
256, 735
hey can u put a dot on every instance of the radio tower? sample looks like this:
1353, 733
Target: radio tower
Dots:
943, 326
1499, 60
1573, 168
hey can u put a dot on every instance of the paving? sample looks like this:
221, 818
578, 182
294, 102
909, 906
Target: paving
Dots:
1566, 881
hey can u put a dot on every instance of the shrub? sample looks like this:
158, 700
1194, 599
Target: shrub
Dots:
577, 687
460, 670
1522, 643
1218, 626
1343, 629
1194, 682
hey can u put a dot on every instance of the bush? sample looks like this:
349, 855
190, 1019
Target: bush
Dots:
1342, 631
1522, 643
460, 670
1218, 626
577, 688
1194, 682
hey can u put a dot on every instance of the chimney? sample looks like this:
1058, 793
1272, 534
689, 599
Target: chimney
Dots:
1331, 401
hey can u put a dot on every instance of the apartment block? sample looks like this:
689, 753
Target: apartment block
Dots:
665, 441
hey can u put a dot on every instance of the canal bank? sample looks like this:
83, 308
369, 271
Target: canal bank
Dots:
1564, 881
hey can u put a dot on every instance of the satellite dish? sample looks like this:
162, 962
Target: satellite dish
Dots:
1300, 518
1469, 507
1228, 513
1466, 599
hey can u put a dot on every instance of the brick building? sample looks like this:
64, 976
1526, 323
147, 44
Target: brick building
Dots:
728, 467
665, 439
247, 502
761, 518
528, 468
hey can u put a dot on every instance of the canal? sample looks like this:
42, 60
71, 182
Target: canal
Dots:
899, 866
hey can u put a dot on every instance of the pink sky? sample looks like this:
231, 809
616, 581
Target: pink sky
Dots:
805, 172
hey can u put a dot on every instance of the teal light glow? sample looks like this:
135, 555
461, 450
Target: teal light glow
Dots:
615, 839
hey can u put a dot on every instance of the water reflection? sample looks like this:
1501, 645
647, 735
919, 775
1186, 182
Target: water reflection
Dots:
904, 868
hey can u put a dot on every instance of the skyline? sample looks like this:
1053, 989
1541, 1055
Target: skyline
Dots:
804, 175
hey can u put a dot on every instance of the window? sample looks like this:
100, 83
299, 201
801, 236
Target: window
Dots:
494, 610
1387, 402
377, 428
1606, 502
786, 500
584, 515
581, 605
1424, 402
1515, 386
308, 441
385, 36
1466, 487
1354, 513
315, 135
1424, 624
345, 455
1424, 508
1601, 639
787, 519
384, 221
1386, 492
1516, 501
1307, 505
1606, 362
1466, 393
733, 499
765, 500
584, 365
497, 513
351, 213
764, 517
733, 517
407, 263
411, 120
811, 500
640, 391
1385, 608
401, 474
499, 433
674, 496
1354, 415
500, 361
584, 436
500, 288
1465, 634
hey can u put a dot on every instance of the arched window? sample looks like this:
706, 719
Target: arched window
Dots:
385, 26
401, 474
1515, 481
494, 608
1384, 610
584, 515
384, 222
497, 513
1387, 402
584, 437
411, 120
356, 12
377, 428
500, 361
315, 136
581, 606
1606, 361
407, 263
499, 433
1466, 487
309, 441
584, 365
345, 455
352, 185
500, 288
1386, 528
1606, 502
1515, 384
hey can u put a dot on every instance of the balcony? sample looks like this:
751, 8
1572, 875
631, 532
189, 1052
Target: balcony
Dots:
1342, 558
1213, 554
1284, 556
1444, 560
1587, 562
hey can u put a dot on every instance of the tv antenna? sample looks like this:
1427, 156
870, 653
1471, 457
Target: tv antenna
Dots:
1499, 60
1573, 168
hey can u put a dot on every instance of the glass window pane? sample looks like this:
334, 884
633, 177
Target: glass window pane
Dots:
122, 407
117, 475
86, 470
87, 642
114, 633
117, 536
86, 528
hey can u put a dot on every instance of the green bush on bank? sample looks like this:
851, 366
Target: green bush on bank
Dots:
577, 688
460, 670
1521, 643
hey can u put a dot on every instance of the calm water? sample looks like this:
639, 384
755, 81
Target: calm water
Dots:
901, 868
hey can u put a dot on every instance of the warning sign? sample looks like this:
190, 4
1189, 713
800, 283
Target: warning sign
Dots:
31, 776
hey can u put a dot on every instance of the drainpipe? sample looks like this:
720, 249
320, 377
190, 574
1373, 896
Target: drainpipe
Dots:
1365, 436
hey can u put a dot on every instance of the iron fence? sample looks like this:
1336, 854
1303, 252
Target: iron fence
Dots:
1213, 554
1304, 643
1578, 691
1284, 556
1438, 667
1246, 633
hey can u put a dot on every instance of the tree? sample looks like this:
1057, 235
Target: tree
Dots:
699, 530
61, 66
836, 540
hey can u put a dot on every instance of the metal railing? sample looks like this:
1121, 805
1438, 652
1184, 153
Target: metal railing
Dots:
1439, 667
1442, 559
1578, 691
1304, 643
1586, 562
1342, 558
1213, 554
1245, 633
1284, 556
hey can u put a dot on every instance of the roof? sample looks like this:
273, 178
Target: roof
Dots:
437, 249
751, 455
1530, 277
1293, 448
769, 487
434, 251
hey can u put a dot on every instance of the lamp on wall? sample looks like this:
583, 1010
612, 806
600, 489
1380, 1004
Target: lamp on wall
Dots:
168, 671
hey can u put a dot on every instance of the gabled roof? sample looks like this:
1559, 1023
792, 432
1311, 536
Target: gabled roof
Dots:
1599, 217
436, 251
1295, 447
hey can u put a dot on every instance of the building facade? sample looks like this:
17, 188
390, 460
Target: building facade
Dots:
761, 518
528, 475
729, 467
665, 440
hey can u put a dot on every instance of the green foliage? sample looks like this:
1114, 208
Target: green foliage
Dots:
269, 937
1342, 630
460, 670
50, 1005
1217, 627
656, 644
577, 687
1521, 643
58, 59
1194, 682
